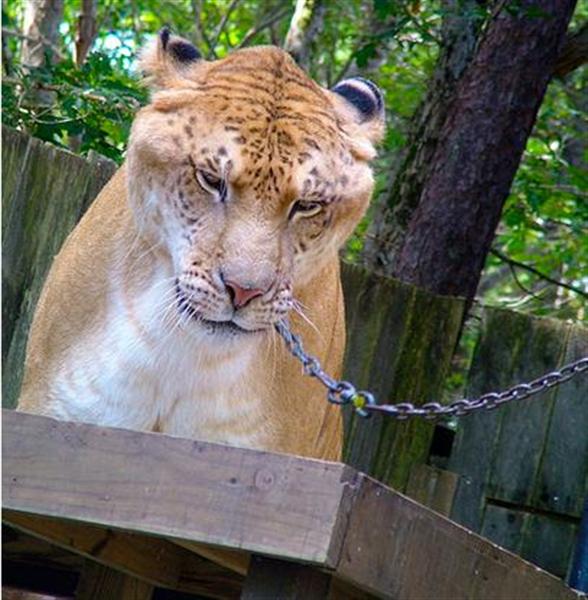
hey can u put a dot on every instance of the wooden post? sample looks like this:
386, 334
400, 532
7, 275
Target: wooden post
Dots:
98, 582
151, 559
400, 341
281, 580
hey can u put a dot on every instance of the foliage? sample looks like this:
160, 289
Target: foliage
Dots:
91, 108
96, 102
545, 220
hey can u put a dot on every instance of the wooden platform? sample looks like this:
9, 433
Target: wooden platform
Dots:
141, 503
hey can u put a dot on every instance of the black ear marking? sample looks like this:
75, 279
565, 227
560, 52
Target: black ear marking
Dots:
184, 51
164, 37
363, 94
180, 49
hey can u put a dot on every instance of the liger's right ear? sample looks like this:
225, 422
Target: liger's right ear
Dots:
360, 105
166, 58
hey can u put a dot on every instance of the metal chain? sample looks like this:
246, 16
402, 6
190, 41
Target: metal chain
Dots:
364, 403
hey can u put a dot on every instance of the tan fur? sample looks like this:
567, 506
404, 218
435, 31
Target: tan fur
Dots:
109, 343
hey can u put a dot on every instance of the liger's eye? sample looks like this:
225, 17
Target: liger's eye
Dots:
305, 209
210, 182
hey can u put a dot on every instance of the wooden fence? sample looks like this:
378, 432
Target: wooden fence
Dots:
518, 475
524, 469
44, 193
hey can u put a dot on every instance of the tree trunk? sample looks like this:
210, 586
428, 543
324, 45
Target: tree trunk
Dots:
41, 28
479, 140
86, 30
399, 201
305, 24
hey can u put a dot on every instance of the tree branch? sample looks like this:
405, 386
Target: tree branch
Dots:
223, 23
87, 31
519, 284
41, 23
42, 40
515, 263
271, 20
201, 37
573, 54
306, 23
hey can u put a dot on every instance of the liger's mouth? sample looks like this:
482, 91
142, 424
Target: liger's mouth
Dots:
228, 327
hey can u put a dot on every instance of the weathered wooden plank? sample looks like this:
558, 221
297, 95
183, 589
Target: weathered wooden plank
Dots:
432, 487
156, 561
366, 302
503, 336
549, 541
271, 578
47, 191
15, 164
287, 507
410, 553
504, 526
532, 455
98, 582
238, 562
14, 161
400, 343
519, 444
20, 547
173, 487
562, 480
343, 590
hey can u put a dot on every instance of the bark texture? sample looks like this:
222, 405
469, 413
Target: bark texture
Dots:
397, 204
86, 30
479, 144
41, 28
306, 22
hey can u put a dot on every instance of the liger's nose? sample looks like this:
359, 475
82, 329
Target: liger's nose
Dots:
241, 295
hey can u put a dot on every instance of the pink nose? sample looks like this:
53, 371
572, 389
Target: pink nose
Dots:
240, 296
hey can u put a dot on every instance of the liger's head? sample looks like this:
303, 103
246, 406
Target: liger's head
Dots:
249, 174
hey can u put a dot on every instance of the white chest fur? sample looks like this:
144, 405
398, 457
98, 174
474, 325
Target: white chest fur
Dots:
141, 366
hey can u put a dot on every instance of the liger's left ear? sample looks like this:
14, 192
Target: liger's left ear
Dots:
167, 57
360, 103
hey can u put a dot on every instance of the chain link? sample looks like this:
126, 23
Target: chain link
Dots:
364, 403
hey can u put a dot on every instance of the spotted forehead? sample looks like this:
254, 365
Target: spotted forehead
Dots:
262, 116
274, 113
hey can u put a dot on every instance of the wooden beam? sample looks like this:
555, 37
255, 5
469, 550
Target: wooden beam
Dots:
172, 487
98, 582
412, 552
155, 561
19, 547
324, 514
237, 562
271, 578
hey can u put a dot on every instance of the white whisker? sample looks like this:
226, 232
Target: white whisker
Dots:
297, 308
